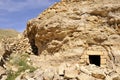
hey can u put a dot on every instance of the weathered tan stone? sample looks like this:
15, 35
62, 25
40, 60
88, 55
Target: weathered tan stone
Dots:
88, 61
103, 65
108, 78
82, 57
70, 74
116, 78
82, 61
86, 56
95, 53
103, 61
84, 70
103, 57
61, 69
74, 29
48, 74
83, 76
98, 76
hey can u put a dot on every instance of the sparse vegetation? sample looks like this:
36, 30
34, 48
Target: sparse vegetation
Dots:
22, 63
8, 33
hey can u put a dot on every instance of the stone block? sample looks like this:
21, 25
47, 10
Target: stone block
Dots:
103, 61
61, 69
70, 74
86, 56
94, 53
82, 57
83, 76
103, 56
103, 66
82, 61
98, 76
87, 60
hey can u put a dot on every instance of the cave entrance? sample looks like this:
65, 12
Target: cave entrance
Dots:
34, 47
94, 59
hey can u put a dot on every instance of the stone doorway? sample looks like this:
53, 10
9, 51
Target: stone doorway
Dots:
94, 59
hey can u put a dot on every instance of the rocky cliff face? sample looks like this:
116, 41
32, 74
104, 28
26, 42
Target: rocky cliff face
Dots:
60, 36
72, 24
89, 22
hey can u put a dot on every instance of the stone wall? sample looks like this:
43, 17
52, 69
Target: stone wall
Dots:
103, 57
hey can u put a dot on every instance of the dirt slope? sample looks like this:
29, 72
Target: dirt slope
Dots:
8, 33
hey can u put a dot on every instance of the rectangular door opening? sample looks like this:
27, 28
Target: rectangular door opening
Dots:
94, 59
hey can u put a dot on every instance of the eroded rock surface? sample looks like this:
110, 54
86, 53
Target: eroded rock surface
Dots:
73, 24
69, 24
64, 36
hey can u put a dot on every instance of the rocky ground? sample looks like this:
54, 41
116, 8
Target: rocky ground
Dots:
52, 44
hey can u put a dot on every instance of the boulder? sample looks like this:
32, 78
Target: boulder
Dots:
84, 70
70, 74
108, 78
116, 78
61, 69
83, 76
98, 76
57, 77
38, 74
4, 77
98, 73
48, 74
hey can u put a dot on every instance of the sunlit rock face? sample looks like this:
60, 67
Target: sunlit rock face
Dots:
77, 24
74, 40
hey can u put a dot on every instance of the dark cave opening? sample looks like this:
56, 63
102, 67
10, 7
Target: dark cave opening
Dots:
34, 47
94, 59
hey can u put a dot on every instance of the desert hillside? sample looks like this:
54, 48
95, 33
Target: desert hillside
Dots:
8, 33
71, 40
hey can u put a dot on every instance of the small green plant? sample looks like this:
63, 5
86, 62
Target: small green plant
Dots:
23, 66
12, 75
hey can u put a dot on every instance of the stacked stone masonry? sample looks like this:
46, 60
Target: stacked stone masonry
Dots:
103, 57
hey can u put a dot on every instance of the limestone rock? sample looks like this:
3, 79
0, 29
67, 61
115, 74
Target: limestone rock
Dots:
98, 76
108, 78
4, 77
48, 74
68, 33
2, 71
70, 74
82, 23
73, 24
61, 69
83, 76
38, 74
84, 70
116, 78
